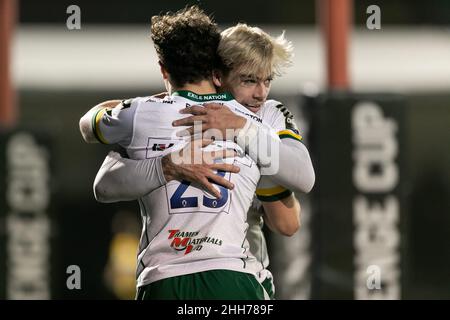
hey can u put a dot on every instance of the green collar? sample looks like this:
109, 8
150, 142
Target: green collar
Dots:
226, 96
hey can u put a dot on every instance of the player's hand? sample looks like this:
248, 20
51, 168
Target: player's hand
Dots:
195, 165
211, 116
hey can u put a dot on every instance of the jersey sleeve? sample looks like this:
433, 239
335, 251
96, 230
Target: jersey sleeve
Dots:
282, 121
115, 126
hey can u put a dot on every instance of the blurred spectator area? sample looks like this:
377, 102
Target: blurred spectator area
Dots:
60, 74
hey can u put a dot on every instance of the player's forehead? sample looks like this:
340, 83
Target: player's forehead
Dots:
258, 74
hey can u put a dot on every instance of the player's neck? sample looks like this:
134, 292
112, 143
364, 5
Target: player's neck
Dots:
202, 87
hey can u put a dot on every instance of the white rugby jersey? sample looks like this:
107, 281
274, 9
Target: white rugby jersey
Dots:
279, 118
185, 229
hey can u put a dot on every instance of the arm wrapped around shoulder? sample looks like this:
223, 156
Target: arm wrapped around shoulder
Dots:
122, 179
286, 161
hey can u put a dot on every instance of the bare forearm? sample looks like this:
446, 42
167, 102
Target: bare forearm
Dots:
283, 216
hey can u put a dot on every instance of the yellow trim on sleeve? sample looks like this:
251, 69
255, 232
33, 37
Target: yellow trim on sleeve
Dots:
270, 191
98, 132
291, 134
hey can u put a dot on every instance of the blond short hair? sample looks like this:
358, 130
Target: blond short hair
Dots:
250, 50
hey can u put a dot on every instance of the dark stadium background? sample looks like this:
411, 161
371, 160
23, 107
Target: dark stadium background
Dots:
317, 263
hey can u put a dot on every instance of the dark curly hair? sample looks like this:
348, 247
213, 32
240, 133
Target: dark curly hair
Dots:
186, 43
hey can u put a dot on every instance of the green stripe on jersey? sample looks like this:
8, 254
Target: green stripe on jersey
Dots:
289, 134
95, 126
203, 97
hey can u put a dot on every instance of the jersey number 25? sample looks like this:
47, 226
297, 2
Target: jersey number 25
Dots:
186, 199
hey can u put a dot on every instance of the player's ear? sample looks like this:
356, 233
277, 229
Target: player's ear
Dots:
217, 78
164, 72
